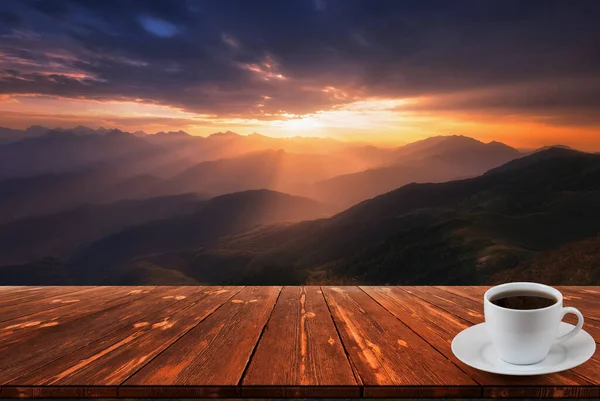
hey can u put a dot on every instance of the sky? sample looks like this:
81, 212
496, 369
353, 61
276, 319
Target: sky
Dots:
526, 73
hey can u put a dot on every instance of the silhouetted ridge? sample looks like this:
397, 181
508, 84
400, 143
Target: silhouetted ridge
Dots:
217, 217
552, 169
436, 159
544, 154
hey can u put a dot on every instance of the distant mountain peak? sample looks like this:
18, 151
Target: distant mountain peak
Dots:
227, 134
557, 151
37, 129
59, 133
535, 157
462, 139
173, 133
553, 147
117, 133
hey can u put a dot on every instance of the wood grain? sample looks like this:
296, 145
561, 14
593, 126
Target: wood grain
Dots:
467, 307
422, 392
534, 392
27, 307
591, 369
385, 351
301, 391
52, 341
216, 352
18, 295
59, 392
260, 342
457, 305
584, 298
588, 304
95, 300
473, 293
300, 345
439, 327
176, 392
114, 358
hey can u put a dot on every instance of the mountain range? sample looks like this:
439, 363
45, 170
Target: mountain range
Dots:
60, 169
435, 159
459, 232
103, 206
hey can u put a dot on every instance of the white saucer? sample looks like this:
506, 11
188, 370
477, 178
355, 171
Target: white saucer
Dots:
473, 347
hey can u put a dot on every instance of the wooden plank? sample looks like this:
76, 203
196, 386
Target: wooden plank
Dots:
439, 327
11, 288
51, 342
98, 298
60, 392
463, 307
18, 295
588, 303
114, 358
320, 391
533, 392
300, 345
417, 392
591, 304
589, 371
474, 293
21, 330
174, 392
93, 364
386, 352
593, 291
216, 352
31, 307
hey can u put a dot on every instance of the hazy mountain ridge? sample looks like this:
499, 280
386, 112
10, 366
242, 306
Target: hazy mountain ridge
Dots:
220, 216
453, 231
273, 169
436, 159
35, 151
460, 232
64, 151
109, 165
59, 235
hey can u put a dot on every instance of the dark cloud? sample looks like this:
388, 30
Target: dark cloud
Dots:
561, 102
223, 57
10, 19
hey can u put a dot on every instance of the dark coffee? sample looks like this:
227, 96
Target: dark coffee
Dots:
523, 300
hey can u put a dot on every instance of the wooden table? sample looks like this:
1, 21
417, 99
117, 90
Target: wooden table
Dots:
174, 342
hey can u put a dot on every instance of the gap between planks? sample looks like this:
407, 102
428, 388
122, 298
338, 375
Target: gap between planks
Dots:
355, 373
180, 337
116, 329
471, 323
262, 332
41, 300
421, 337
463, 296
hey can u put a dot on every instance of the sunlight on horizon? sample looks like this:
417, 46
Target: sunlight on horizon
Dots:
383, 122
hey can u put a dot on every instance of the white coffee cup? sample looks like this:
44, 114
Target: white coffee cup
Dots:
524, 337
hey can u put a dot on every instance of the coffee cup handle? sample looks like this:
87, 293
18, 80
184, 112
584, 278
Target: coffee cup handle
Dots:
577, 328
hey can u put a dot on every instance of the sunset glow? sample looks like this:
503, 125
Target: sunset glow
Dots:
338, 78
